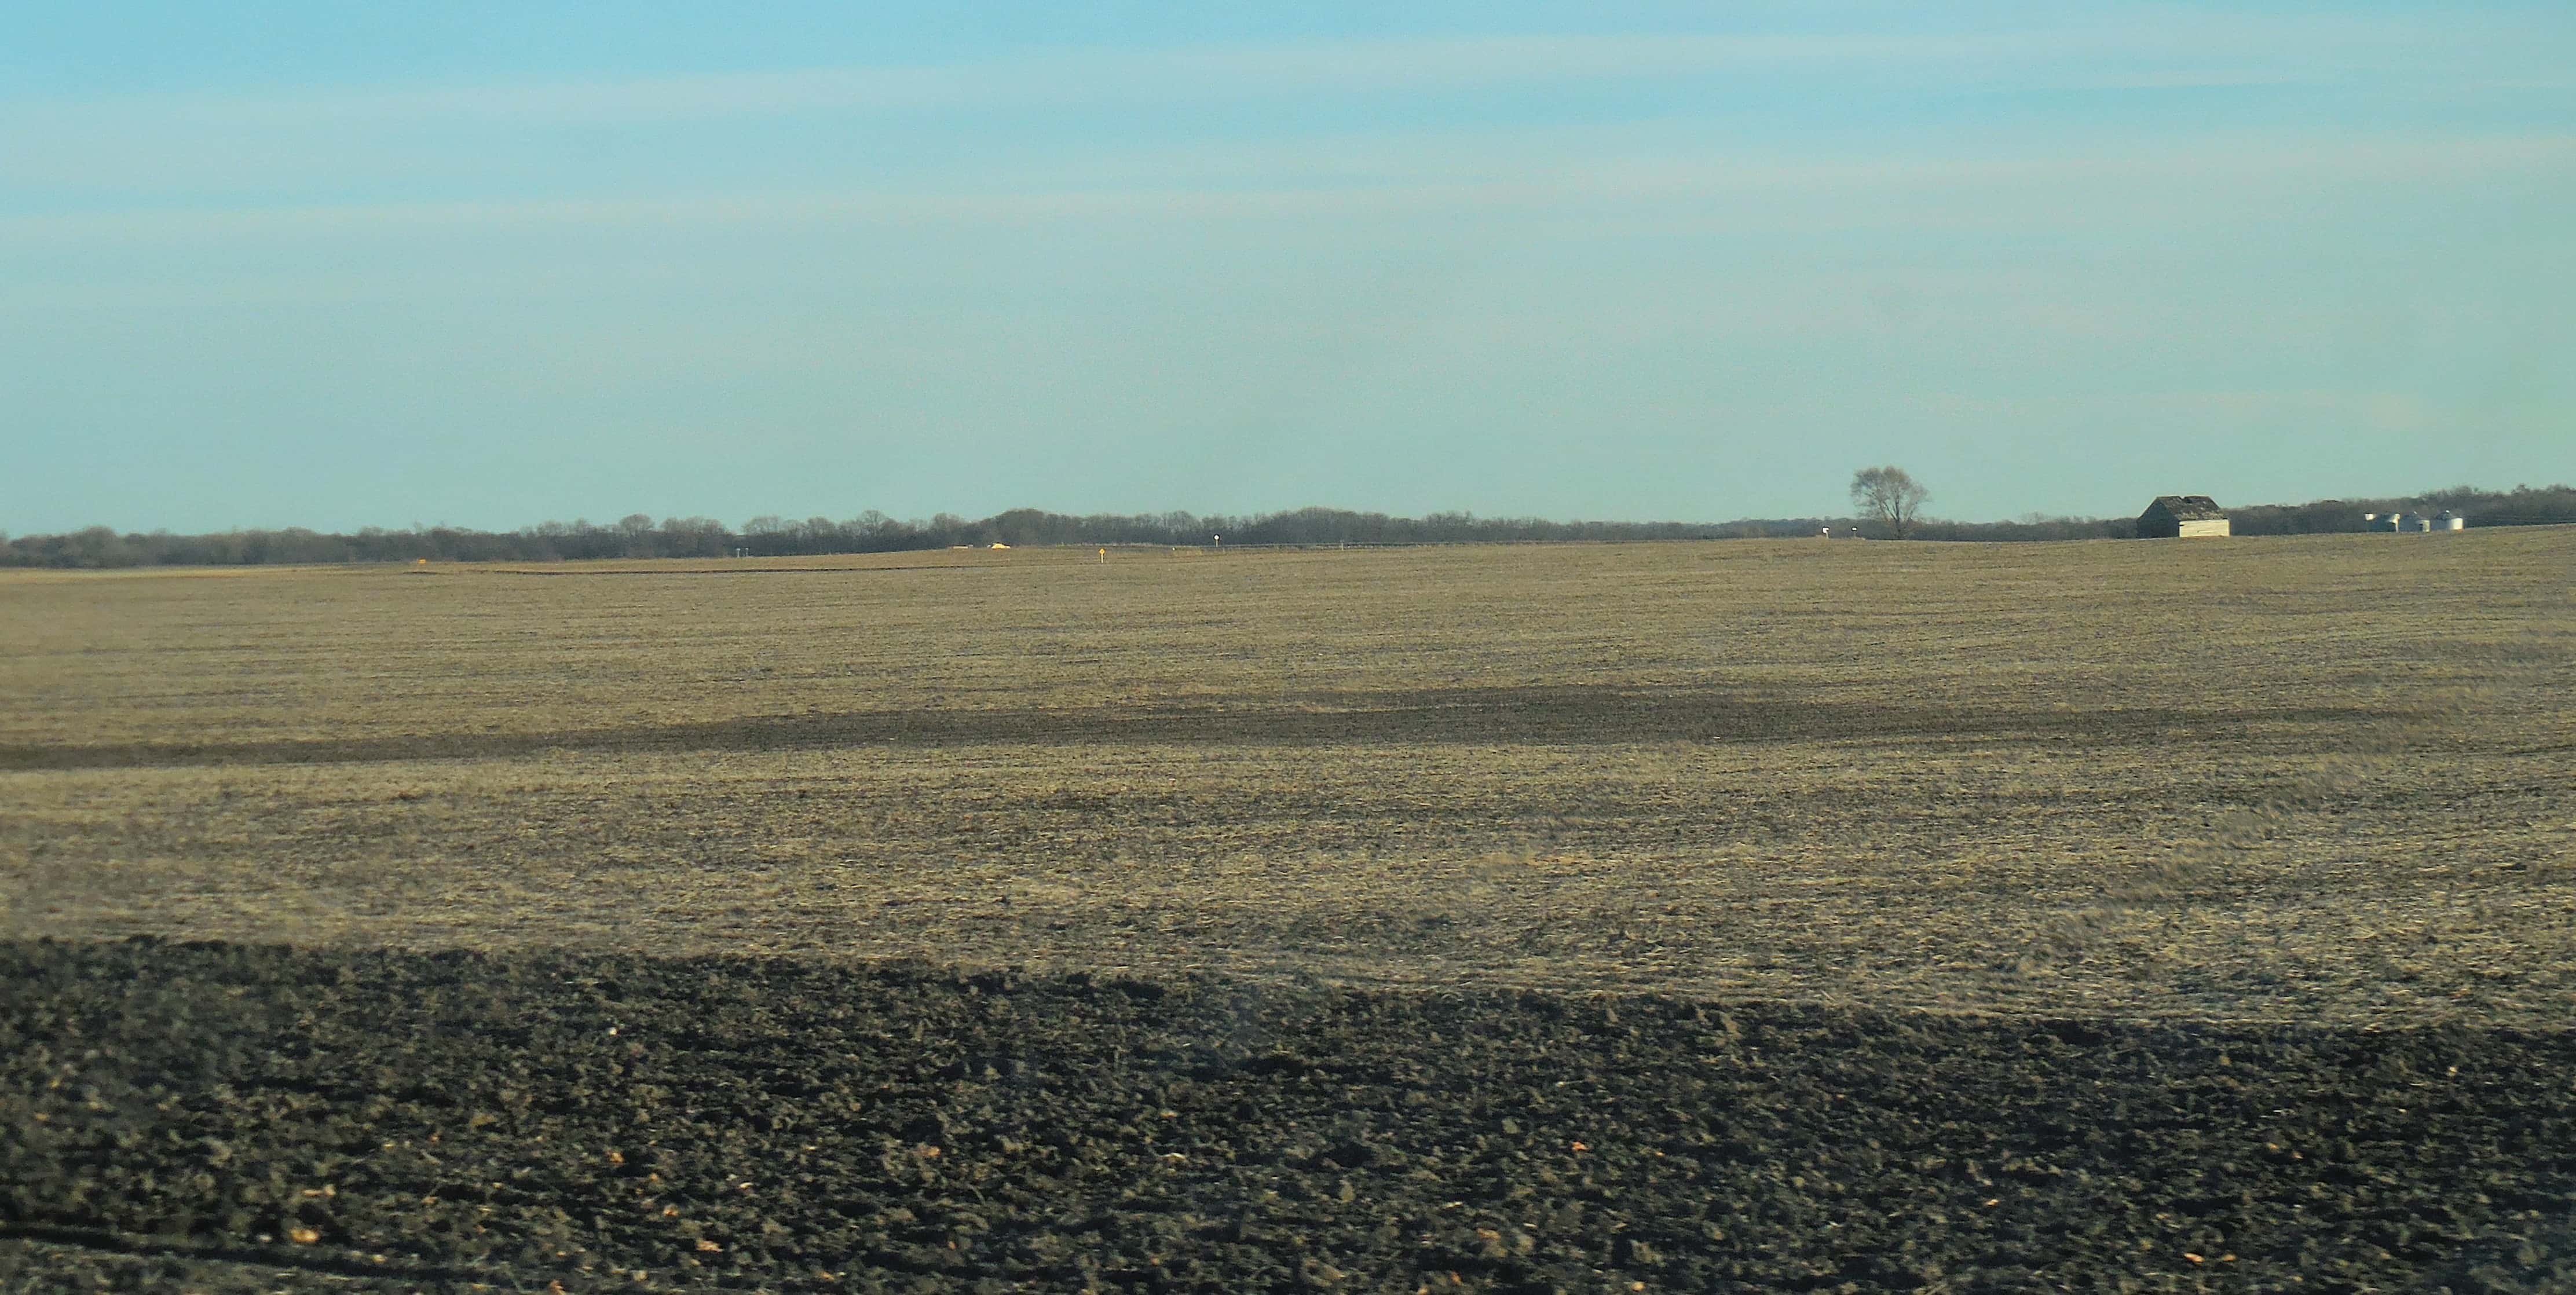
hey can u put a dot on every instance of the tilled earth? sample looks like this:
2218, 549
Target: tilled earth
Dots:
233, 1118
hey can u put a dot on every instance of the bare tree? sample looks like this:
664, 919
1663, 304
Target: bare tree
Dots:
636, 532
1890, 497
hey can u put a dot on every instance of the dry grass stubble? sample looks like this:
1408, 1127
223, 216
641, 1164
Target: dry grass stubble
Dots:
2190, 781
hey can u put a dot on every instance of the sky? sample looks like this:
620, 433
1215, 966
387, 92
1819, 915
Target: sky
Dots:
487, 264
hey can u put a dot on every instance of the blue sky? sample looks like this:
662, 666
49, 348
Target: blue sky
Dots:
340, 265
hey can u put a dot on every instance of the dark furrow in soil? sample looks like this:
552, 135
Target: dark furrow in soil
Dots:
238, 1118
1554, 716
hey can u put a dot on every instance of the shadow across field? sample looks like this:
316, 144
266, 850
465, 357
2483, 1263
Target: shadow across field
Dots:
1546, 716
244, 1117
591, 570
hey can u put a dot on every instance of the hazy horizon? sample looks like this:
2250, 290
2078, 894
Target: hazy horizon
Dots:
743, 525
491, 265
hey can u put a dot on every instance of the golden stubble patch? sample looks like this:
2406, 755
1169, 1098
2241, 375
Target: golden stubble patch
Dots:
2194, 781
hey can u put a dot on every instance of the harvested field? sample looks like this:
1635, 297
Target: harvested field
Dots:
2210, 782
2302, 802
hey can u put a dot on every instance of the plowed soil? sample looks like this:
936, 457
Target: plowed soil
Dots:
240, 1118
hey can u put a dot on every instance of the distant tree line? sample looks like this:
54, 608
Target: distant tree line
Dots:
640, 536
2520, 506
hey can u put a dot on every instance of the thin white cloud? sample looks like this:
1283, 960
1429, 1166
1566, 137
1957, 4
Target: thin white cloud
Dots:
587, 137
1465, 176
2373, 409
2197, 79
2147, 49
1097, 77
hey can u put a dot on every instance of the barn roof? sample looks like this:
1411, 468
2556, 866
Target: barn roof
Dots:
2190, 508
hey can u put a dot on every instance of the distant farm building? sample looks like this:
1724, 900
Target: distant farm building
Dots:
2417, 523
2182, 517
